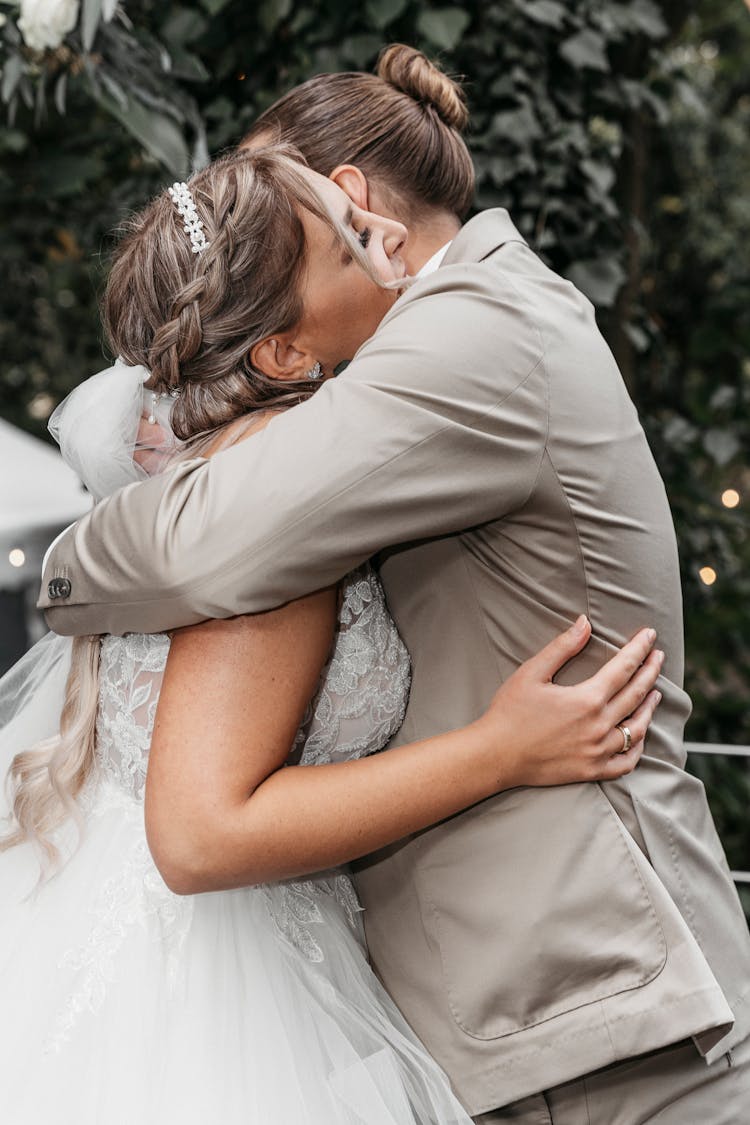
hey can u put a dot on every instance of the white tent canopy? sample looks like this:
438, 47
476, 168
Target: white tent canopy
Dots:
39, 496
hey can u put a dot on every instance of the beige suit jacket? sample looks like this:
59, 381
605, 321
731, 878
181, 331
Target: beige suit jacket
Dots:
484, 438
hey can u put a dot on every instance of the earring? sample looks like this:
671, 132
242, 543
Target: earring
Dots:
315, 372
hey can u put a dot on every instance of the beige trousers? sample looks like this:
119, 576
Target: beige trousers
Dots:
668, 1087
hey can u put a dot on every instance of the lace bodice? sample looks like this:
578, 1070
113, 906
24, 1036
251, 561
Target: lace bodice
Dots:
359, 705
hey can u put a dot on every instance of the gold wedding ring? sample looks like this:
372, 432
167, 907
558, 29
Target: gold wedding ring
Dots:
627, 737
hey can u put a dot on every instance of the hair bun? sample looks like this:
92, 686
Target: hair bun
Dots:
410, 71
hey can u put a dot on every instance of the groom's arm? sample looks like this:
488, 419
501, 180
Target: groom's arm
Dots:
437, 425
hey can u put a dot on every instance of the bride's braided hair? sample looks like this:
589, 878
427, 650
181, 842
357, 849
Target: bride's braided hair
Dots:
192, 318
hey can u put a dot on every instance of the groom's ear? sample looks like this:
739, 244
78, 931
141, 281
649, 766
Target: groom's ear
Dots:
277, 358
353, 182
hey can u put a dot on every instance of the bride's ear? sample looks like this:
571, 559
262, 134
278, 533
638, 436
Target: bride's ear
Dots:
276, 358
353, 182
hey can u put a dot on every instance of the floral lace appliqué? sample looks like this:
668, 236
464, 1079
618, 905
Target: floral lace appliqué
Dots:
130, 675
138, 896
364, 689
295, 909
359, 706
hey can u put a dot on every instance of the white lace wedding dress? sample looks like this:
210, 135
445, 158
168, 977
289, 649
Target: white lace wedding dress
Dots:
125, 1004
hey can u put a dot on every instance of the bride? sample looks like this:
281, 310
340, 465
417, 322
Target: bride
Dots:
193, 950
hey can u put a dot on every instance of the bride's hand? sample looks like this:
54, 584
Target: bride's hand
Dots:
553, 735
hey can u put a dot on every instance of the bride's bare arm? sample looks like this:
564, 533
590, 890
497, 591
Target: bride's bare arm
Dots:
220, 812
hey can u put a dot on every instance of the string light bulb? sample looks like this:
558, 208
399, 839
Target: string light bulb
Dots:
16, 557
707, 575
730, 498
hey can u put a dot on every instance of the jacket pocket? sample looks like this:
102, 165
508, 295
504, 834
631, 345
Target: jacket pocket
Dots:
537, 907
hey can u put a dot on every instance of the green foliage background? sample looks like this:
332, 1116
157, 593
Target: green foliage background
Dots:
616, 133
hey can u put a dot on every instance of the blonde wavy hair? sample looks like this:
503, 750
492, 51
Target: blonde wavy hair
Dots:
192, 320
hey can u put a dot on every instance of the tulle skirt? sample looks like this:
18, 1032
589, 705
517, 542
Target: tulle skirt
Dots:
124, 1004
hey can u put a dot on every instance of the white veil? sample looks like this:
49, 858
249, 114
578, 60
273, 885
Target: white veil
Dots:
97, 429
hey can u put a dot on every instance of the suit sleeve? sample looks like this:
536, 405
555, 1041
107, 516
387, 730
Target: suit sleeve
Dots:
438, 424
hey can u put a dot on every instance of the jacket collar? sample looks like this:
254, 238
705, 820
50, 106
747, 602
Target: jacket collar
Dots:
481, 236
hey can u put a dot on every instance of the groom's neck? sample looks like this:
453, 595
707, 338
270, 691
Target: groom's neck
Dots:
425, 239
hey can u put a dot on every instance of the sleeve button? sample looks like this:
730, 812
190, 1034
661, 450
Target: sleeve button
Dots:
59, 588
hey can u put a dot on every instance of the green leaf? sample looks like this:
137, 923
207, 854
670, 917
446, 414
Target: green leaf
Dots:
12, 72
13, 140
503, 86
723, 398
640, 96
26, 90
91, 13
184, 64
722, 445
303, 20
638, 338
60, 89
443, 26
678, 432
599, 278
502, 170
548, 12
647, 18
585, 49
518, 126
383, 12
213, 7
360, 50
639, 17
601, 175
200, 155
183, 25
692, 99
273, 12
220, 108
114, 89
158, 134
63, 176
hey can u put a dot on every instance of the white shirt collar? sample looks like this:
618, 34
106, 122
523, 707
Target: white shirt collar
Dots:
432, 263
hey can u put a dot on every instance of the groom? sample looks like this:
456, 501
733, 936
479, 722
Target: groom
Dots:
568, 955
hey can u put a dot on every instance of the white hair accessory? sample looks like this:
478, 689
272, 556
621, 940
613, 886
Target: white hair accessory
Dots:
185, 204
98, 429
156, 398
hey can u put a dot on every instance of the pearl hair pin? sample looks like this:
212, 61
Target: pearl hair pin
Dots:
183, 200
156, 399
